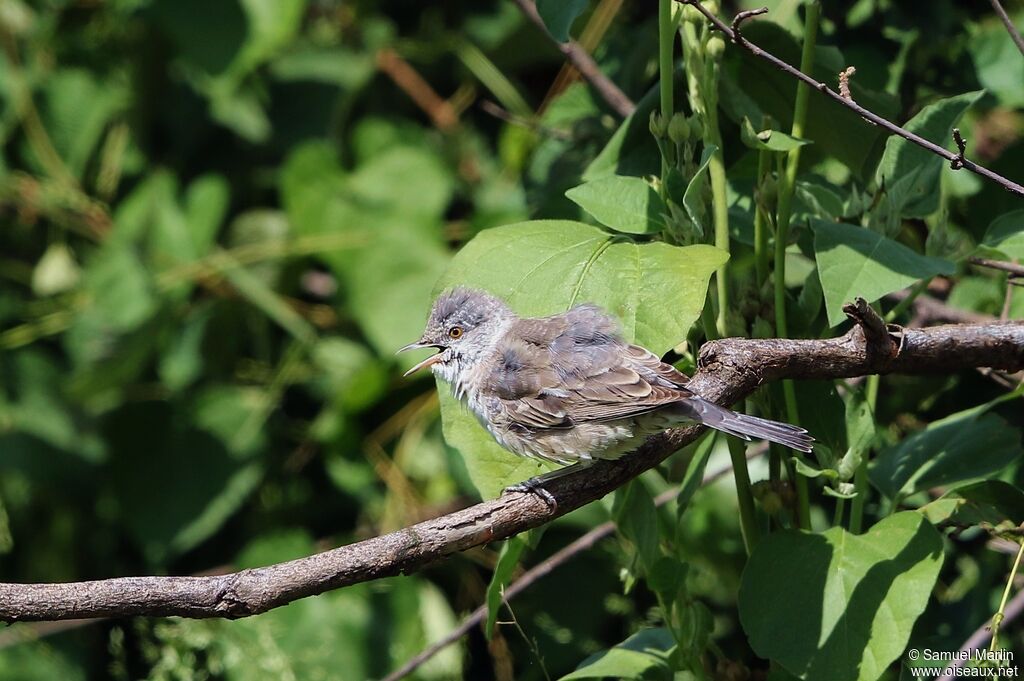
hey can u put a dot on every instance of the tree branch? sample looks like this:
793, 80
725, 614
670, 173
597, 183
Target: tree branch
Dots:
729, 370
956, 160
1010, 28
583, 62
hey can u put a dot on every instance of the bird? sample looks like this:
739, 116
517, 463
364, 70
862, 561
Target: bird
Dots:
568, 388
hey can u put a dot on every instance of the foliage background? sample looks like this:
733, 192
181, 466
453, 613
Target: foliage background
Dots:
219, 220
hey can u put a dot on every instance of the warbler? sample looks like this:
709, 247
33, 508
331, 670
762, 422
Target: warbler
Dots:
568, 388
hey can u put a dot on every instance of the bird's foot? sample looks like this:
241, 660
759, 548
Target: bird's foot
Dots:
534, 486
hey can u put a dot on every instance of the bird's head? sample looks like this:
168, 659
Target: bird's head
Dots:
463, 325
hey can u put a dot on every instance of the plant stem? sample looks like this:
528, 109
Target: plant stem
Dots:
837, 518
997, 619
787, 186
860, 477
719, 190
744, 494
764, 161
666, 41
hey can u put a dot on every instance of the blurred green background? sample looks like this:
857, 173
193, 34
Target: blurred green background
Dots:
219, 219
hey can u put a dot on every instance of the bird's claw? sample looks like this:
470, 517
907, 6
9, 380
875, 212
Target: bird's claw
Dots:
533, 486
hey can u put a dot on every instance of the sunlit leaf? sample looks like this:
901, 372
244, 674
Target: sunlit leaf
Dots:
837, 606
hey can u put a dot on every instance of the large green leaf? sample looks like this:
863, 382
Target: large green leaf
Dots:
857, 262
966, 446
997, 60
992, 502
626, 204
837, 606
1006, 234
548, 266
911, 172
644, 655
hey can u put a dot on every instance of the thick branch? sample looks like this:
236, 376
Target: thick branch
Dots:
730, 369
583, 62
956, 160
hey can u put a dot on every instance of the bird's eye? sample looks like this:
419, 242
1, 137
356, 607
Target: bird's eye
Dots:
455, 332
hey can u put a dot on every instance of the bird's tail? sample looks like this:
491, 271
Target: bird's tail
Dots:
747, 427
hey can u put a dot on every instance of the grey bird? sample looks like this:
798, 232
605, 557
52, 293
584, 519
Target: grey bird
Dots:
568, 388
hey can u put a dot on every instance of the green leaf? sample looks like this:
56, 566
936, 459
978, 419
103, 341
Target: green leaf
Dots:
768, 140
558, 16
809, 471
626, 204
545, 267
857, 262
693, 198
966, 446
912, 172
694, 476
1006, 234
837, 606
632, 150
998, 61
120, 288
644, 655
637, 519
181, 362
860, 433
991, 502
511, 550
491, 467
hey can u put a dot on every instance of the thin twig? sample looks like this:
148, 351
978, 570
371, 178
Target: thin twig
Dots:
743, 16
866, 114
983, 634
1010, 28
583, 62
541, 570
1013, 268
493, 109
419, 90
729, 370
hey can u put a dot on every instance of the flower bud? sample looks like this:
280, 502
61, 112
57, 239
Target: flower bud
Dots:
678, 128
658, 125
711, 6
693, 15
715, 47
696, 127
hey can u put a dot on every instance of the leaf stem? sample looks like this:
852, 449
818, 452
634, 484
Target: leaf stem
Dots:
860, 477
997, 619
744, 494
666, 41
764, 164
787, 186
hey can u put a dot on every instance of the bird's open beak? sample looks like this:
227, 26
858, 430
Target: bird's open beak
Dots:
433, 359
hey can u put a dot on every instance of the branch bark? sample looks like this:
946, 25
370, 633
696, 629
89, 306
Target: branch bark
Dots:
956, 160
729, 370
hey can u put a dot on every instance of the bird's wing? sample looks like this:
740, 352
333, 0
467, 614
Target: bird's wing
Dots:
572, 368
